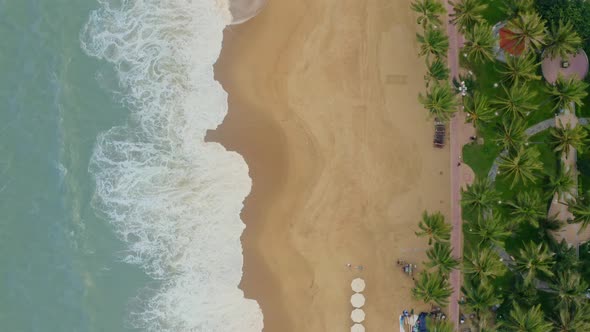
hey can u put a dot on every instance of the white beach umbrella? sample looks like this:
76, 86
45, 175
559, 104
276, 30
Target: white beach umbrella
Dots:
357, 315
357, 300
358, 285
357, 328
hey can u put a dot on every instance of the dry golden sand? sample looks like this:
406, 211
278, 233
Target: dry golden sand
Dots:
323, 108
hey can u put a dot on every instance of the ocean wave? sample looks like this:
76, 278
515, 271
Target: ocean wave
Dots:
173, 198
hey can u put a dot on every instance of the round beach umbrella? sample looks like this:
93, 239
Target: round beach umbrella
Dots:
357, 300
357, 315
357, 328
358, 285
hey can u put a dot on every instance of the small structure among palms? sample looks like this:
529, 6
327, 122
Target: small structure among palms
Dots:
566, 67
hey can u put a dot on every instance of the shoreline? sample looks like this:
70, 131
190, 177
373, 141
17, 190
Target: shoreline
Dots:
323, 108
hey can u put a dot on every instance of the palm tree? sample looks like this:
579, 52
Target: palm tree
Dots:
517, 102
479, 43
479, 299
581, 211
437, 70
528, 30
528, 207
480, 196
439, 325
521, 320
490, 229
524, 294
562, 40
520, 69
566, 93
572, 319
467, 13
532, 260
434, 227
562, 183
433, 42
432, 288
512, 8
570, 288
510, 135
440, 101
564, 137
483, 264
429, 12
478, 109
440, 256
521, 165
566, 256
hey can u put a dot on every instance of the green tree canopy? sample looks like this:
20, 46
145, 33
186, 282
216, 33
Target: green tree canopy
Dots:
490, 230
562, 40
478, 109
483, 264
528, 207
429, 12
567, 93
479, 299
520, 69
434, 227
565, 137
440, 256
528, 29
440, 101
479, 43
510, 135
433, 42
517, 101
534, 259
432, 287
467, 13
480, 196
527, 320
521, 165
436, 71
570, 288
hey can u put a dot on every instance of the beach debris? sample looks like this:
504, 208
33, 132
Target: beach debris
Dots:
357, 300
358, 285
357, 315
357, 328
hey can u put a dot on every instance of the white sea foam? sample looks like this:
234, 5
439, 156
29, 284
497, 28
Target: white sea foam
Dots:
172, 197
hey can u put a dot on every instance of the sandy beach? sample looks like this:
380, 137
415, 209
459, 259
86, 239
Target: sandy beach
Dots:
323, 107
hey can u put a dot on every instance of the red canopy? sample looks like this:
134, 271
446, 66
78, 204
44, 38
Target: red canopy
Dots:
508, 42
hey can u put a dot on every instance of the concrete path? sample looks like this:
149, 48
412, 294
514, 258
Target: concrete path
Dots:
461, 174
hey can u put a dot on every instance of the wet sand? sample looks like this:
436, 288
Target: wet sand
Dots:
323, 107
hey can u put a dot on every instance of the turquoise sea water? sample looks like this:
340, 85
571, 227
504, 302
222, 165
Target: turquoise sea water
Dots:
114, 214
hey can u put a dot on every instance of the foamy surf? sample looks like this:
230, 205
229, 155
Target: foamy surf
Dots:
173, 198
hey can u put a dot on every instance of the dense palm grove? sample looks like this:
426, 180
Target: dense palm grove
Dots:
517, 277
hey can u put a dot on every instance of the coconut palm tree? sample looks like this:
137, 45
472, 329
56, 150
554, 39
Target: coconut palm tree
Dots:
480, 196
512, 8
521, 165
434, 227
566, 256
510, 135
429, 12
433, 42
534, 259
478, 109
432, 287
528, 207
437, 70
518, 101
490, 230
440, 101
479, 43
562, 40
440, 256
439, 325
564, 138
528, 29
570, 288
483, 264
572, 319
562, 183
524, 294
479, 299
523, 320
567, 93
467, 13
520, 69
580, 208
